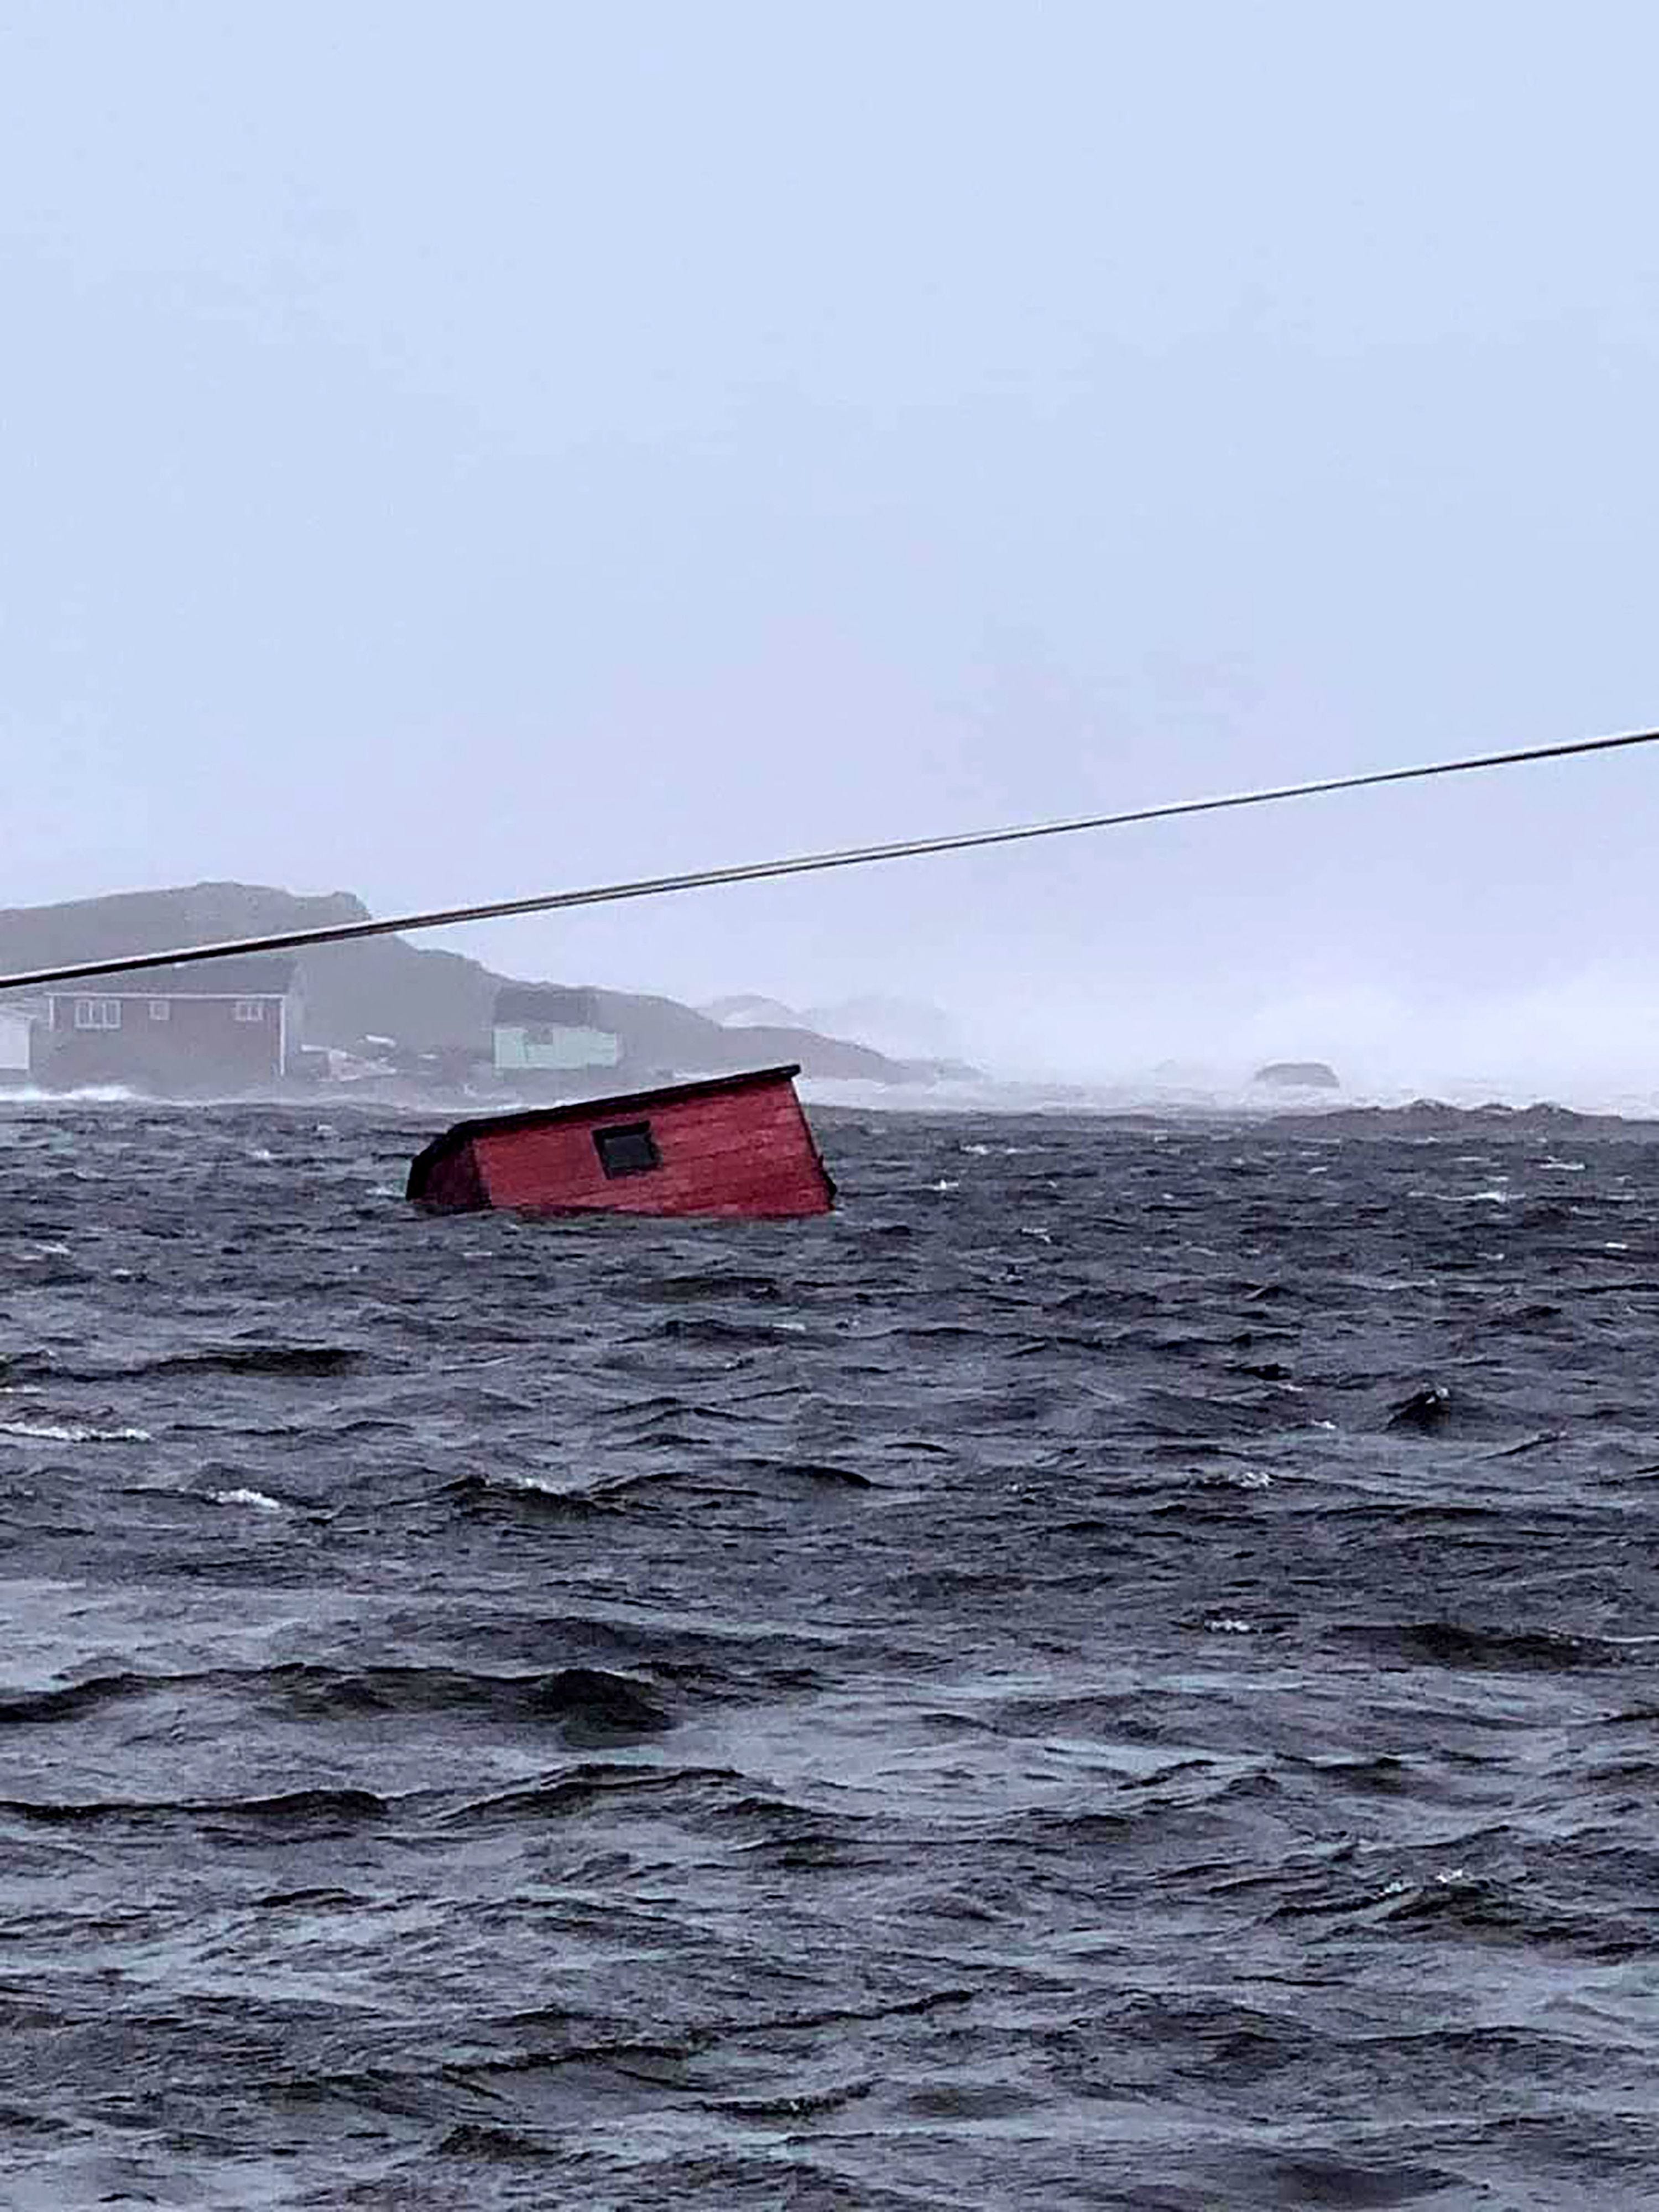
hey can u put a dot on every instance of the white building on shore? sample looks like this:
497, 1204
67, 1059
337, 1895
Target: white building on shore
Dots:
17, 1047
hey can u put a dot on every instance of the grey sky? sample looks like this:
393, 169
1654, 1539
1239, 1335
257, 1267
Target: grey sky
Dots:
454, 451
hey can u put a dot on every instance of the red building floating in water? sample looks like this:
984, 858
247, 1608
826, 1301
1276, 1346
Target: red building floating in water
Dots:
736, 1147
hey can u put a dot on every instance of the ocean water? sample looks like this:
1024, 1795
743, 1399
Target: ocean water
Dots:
1120, 1670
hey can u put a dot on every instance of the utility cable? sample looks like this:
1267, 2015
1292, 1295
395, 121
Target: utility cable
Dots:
858, 856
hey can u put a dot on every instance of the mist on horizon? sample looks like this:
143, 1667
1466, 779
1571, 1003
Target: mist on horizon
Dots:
450, 460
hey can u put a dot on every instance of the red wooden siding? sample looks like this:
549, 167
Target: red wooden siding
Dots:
449, 1181
732, 1148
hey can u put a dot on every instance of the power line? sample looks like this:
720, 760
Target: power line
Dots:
858, 856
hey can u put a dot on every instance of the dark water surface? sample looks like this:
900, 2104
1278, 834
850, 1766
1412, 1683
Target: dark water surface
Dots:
1120, 1670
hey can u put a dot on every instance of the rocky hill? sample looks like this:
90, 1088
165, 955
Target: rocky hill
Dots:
384, 987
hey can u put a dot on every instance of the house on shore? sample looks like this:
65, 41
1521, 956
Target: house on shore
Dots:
220, 1026
541, 1031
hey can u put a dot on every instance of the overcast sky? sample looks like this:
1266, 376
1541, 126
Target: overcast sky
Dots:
456, 451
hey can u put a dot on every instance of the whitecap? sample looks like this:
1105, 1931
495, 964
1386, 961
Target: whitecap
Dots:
70, 1432
254, 1497
533, 1482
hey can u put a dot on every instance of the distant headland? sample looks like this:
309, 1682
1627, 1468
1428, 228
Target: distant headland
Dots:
378, 1011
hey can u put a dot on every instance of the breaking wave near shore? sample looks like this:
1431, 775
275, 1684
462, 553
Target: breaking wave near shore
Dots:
1120, 1669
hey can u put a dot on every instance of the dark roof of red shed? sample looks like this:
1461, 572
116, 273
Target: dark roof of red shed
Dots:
600, 1109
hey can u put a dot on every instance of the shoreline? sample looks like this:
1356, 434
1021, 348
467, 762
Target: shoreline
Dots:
1422, 1117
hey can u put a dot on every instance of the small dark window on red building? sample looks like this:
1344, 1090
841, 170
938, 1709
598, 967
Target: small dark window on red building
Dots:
627, 1149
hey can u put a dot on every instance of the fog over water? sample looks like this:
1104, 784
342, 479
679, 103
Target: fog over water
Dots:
452, 457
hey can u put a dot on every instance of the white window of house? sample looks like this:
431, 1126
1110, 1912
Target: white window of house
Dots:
98, 1013
159, 1010
250, 1010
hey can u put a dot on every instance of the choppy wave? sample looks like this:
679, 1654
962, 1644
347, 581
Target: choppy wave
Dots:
72, 1432
1128, 1681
